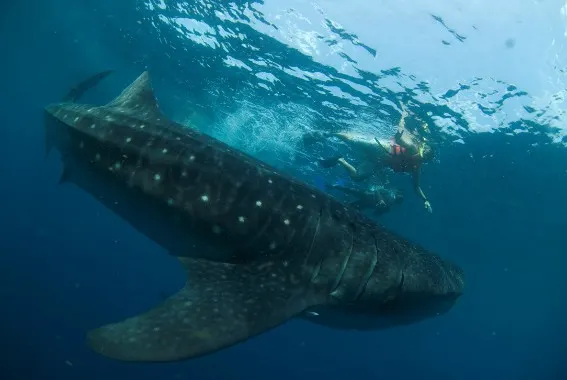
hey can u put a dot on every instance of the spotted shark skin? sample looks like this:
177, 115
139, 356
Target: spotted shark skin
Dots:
288, 248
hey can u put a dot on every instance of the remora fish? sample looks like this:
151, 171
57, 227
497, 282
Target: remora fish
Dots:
295, 249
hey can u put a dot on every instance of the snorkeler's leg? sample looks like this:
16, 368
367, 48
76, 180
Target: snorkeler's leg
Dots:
330, 162
354, 174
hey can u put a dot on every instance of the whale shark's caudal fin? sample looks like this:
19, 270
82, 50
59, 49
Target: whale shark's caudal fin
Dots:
79, 90
51, 131
221, 305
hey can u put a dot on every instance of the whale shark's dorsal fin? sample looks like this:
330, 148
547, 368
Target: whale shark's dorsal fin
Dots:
138, 96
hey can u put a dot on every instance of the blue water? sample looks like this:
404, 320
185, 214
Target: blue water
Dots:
488, 77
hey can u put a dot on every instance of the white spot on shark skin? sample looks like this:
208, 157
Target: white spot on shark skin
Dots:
312, 195
184, 173
205, 198
170, 201
272, 245
286, 222
117, 165
128, 139
76, 119
285, 263
157, 177
97, 157
217, 230
312, 313
142, 126
90, 110
164, 150
259, 203
93, 126
270, 181
241, 219
299, 207
188, 304
178, 138
191, 158
109, 118
157, 329
65, 116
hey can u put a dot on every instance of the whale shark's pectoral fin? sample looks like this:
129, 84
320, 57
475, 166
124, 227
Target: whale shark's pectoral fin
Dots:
221, 305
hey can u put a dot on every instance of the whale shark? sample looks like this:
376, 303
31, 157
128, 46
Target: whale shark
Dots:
271, 248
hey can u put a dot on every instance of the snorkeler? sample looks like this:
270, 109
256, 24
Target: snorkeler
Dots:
404, 153
378, 198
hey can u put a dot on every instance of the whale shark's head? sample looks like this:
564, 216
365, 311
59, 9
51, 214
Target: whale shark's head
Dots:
426, 287
430, 287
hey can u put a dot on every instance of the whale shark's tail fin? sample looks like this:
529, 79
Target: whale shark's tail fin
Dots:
51, 134
79, 90
221, 305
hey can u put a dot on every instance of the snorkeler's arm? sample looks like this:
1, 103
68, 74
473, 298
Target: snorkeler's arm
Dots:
402, 123
416, 183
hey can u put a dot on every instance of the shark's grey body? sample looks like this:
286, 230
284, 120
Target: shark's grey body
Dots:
286, 248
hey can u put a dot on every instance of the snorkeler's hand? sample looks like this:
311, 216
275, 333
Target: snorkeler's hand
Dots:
428, 206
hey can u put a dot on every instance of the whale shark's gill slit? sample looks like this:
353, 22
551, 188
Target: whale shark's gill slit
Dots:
319, 260
344, 265
369, 272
